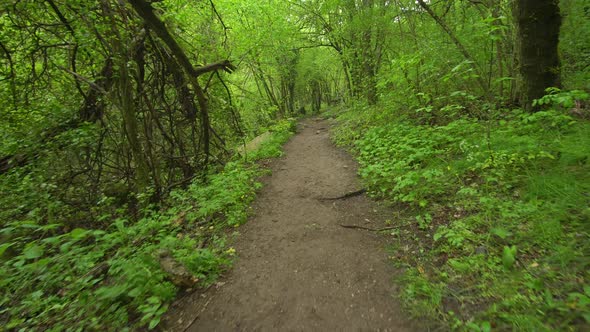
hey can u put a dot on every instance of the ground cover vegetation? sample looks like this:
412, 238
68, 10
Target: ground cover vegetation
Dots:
122, 175
490, 180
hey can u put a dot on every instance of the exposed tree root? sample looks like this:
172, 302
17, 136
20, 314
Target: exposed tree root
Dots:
368, 228
345, 196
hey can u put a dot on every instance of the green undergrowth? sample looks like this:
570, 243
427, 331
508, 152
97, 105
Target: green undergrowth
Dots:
54, 278
493, 215
272, 147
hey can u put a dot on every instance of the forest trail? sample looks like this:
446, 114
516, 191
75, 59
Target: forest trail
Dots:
297, 269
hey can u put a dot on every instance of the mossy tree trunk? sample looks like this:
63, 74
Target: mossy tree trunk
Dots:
538, 23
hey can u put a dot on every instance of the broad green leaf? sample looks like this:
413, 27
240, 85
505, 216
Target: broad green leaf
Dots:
3, 247
154, 322
79, 233
33, 251
135, 292
509, 256
500, 232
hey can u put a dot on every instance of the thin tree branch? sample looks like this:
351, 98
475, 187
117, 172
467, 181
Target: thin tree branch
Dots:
458, 44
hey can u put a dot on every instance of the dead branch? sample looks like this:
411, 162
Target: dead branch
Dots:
368, 228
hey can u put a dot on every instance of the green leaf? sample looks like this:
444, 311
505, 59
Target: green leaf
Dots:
500, 232
49, 227
437, 236
509, 256
65, 246
111, 292
154, 300
37, 294
3, 247
33, 251
154, 322
135, 292
78, 233
52, 240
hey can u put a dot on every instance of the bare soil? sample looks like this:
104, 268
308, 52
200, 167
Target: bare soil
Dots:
298, 269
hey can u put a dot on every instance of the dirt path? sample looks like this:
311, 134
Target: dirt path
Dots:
298, 270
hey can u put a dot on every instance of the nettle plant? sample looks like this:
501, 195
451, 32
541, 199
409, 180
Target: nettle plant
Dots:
556, 98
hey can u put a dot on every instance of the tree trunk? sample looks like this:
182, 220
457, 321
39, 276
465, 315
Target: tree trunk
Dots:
316, 97
538, 23
126, 103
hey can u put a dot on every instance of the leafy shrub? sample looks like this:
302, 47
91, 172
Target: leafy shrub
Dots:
280, 133
55, 278
496, 209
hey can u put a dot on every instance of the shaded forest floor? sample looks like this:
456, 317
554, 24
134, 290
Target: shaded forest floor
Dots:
297, 268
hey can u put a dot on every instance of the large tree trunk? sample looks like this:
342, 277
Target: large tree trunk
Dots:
538, 23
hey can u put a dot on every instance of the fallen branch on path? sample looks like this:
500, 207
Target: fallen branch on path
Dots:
345, 196
368, 228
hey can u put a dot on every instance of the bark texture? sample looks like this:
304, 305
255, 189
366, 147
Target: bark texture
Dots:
538, 23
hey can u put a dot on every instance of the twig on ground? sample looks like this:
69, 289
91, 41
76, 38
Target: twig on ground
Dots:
345, 196
368, 228
198, 315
